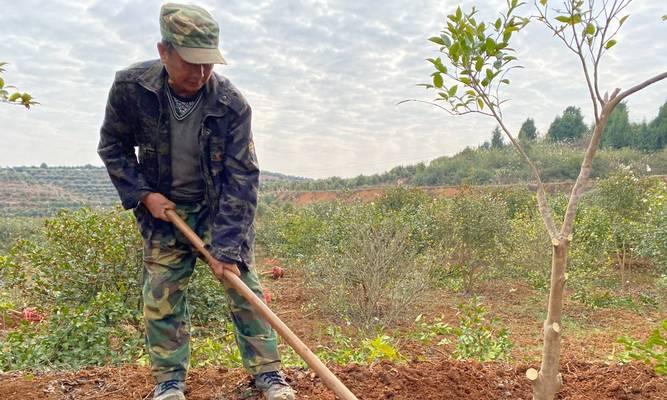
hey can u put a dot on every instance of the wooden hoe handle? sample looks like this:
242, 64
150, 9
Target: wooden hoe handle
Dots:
234, 281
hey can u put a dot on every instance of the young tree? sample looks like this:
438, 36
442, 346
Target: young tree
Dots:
569, 127
24, 99
618, 133
528, 131
477, 58
497, 139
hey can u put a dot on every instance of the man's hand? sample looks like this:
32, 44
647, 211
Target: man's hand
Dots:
219, 267
157, 204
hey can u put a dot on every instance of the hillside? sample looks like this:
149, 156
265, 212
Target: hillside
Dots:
40, 191
489, 166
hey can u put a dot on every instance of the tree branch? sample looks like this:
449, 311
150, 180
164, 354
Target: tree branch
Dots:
639, 87
445, 108
587, 163
542, 202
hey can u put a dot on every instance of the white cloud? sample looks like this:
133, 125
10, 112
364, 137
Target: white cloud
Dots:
323, 77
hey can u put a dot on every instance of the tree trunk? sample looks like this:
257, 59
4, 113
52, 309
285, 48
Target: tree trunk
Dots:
623, 266
548, 381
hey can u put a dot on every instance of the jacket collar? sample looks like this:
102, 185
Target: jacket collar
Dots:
153, 79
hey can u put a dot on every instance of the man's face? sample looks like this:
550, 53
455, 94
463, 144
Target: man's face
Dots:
184, 78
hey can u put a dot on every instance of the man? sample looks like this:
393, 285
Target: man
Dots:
196, 156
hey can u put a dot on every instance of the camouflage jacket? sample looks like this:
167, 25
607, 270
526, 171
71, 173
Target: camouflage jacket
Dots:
137, 115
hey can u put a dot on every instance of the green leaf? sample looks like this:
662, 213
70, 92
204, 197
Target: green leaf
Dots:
479, 64
452, 91
459, 13
14, 96
440, 66
446, 39
622, 20
454, 52
564, 19
490, 46
480, 103
437, 81
2, 83
590, 29
465, 81
437, 40
664, 17
610, 44
444, 95
505, 81
543, 2
498, 24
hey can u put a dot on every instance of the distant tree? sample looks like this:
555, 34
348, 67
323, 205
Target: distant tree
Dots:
43, 165
497, 139
18, 98
568, 127
618, 132
652, 136
528, 131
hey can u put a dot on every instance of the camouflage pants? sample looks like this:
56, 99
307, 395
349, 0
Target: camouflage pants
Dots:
169, 261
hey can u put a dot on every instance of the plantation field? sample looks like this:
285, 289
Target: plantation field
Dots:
425, 370
405, 294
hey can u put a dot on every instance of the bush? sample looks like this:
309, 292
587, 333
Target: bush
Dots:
376, 278
366, 351
479, 337
653, 351
85, 276
83, 253
476, 336
97, 333
480, 228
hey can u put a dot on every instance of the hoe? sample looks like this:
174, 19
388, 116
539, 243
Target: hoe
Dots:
329, 379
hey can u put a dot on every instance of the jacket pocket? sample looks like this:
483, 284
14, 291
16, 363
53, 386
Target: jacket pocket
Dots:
216, 158
148, 163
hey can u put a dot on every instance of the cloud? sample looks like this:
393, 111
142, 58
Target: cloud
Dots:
323, 77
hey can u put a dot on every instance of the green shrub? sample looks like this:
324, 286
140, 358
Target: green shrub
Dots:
346, 350
101, 332
85, 276
478, 336
653, 351
480, 228
377, 277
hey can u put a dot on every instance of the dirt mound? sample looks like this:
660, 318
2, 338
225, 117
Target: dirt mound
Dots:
441, 380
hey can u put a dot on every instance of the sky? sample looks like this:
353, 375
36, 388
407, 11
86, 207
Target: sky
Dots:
323, 77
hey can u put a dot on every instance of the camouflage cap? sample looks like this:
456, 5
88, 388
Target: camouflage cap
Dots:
192, 31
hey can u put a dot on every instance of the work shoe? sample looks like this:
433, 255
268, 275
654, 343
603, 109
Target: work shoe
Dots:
169, 390
274, 386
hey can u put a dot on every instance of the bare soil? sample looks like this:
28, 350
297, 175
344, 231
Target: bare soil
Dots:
430, 373
436, 379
